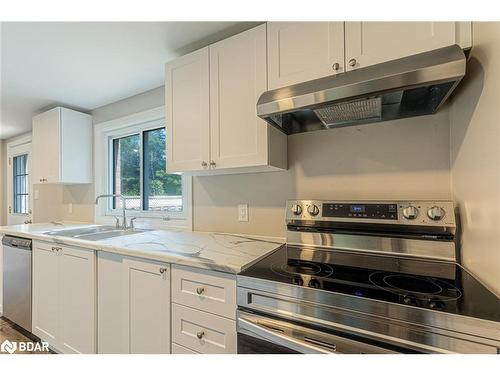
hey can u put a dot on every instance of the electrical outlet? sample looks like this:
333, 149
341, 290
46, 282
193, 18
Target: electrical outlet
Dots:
243, 212
36, 194
70, 208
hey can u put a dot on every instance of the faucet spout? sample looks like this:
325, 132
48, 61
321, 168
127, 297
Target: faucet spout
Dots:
107, 196
123, 199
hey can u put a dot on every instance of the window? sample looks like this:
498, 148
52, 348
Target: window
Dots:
130, 155
20, 180
139, 173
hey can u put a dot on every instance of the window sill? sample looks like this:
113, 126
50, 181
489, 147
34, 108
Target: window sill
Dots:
149, 222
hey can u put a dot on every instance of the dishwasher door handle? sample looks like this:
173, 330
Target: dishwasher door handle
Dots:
282, 339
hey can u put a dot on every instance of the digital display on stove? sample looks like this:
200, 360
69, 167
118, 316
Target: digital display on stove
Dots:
357, 209
384, 211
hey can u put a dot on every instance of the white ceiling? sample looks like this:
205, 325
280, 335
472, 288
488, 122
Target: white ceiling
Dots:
85, 65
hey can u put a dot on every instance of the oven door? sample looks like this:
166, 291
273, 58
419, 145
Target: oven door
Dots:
259, 334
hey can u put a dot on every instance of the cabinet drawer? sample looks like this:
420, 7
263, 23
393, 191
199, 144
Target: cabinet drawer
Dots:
203, 332
205, 290
178, 349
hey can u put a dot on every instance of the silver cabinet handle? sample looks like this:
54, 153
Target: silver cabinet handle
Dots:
336, 66
56, 249
200, 334
212, 163
163, 270
200, 291
352, 62
204, 164
28, 222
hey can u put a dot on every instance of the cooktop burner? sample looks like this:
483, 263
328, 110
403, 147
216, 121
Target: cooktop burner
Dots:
435, 285
299, 267
419, 287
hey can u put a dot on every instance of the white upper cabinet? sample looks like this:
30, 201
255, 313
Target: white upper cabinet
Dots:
62, 147
238, 76
187, 103
369, 43
212, 123
303, 51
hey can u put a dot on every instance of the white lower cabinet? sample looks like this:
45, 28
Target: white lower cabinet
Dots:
147, 302
133, 305
203, 311
203, 332
64, 287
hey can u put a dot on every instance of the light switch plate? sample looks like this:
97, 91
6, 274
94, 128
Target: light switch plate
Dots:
243, 212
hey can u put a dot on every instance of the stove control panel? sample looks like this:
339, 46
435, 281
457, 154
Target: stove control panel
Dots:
382, 211
434, 213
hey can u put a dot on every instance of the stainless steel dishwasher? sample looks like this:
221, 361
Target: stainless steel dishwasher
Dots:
17, 280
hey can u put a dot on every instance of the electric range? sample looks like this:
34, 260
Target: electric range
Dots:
366, 277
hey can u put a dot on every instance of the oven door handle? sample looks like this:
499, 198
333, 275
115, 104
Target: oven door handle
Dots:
281, 339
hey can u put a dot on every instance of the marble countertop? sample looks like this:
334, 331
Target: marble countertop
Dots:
230, 253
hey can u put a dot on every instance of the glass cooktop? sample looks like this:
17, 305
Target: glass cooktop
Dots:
440, 286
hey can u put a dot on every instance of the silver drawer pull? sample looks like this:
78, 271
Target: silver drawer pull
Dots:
200, 291
200, 334
163, 270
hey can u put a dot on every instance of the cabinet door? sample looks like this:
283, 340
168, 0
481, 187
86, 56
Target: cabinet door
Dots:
238, 76
187, 112
303, 51
46, 146
371, 43
77, 300
147, 302
111, 338
45, 293
76, 147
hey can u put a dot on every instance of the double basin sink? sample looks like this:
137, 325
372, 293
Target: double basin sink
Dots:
96, 233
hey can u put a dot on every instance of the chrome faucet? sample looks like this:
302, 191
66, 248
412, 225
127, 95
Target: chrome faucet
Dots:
124, 212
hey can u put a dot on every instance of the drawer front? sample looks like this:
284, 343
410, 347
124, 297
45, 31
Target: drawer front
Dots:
210, 291
203, 332
178, 349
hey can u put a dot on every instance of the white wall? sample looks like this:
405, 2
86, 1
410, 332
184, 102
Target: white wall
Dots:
403, 159
475, 155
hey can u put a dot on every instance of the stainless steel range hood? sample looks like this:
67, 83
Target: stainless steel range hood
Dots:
411, 86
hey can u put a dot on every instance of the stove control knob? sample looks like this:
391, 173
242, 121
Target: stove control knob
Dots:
410, 212
435, 213
313, 210
296, 209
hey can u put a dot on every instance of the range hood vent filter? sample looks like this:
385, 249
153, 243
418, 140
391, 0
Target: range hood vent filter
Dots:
346, 112
416, 85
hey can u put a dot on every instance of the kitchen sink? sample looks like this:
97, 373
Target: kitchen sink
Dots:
96, 233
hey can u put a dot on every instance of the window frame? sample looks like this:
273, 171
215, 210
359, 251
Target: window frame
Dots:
137, 123
14, 176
